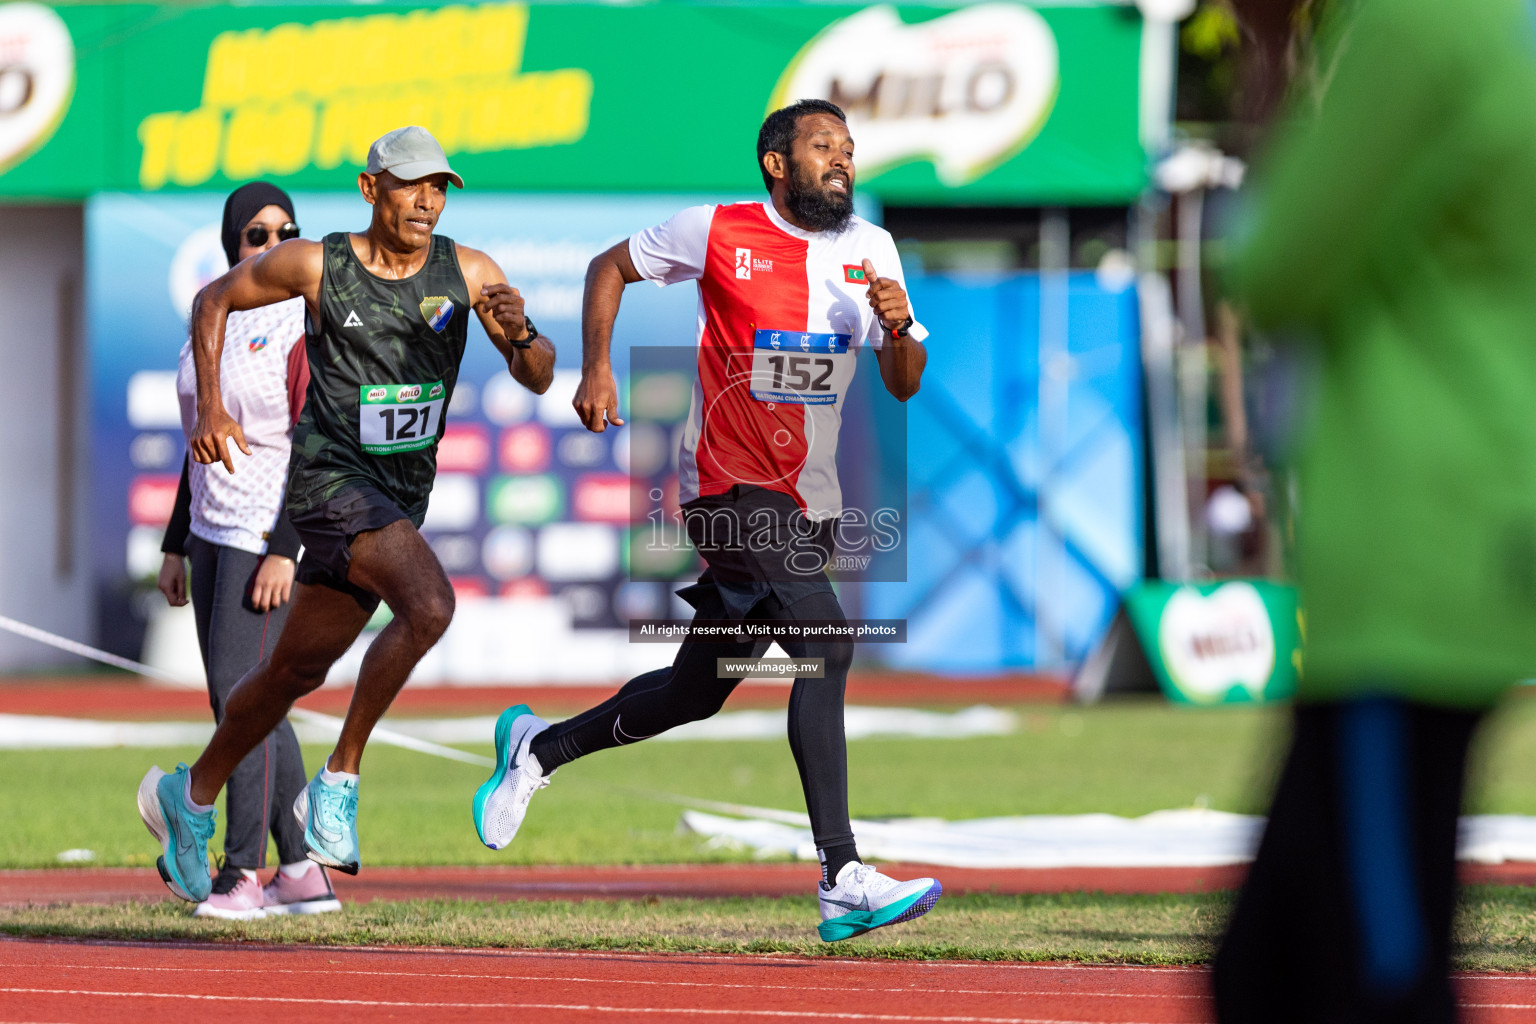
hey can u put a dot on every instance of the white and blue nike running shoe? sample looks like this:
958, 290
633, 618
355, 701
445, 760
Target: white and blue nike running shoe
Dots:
863, 899
502, 800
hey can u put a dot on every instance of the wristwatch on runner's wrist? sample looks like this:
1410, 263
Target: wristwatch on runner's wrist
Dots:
533, 332
900, 330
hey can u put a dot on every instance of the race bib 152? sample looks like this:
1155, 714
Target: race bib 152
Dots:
399, 417
800, 367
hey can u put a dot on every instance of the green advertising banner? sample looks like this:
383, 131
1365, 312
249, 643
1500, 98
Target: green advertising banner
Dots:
1237, 641
990, 102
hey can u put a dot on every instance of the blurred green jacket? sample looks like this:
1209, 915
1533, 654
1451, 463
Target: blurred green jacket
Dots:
1395, 231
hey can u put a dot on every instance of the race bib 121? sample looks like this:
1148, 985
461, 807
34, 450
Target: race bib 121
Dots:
399, 417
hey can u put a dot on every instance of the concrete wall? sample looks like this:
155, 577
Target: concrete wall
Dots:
45, 572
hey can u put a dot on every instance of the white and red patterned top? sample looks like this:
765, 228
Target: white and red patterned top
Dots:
781, 313
262, 375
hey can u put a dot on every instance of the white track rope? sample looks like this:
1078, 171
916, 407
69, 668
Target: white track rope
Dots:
331, 722
380, 733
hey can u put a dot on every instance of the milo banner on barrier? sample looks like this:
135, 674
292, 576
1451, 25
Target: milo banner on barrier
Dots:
1227, 642
995, 101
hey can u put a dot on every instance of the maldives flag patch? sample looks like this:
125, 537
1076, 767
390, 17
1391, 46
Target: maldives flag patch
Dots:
437, 310
853, 274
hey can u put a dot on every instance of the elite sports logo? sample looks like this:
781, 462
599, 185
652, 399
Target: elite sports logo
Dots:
744, 264
353, 320
854, 274
257, 344
437, 310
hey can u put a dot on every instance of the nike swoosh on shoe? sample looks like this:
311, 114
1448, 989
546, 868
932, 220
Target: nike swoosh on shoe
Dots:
848, 905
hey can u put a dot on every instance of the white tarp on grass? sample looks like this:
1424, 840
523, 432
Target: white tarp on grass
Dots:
1182, 838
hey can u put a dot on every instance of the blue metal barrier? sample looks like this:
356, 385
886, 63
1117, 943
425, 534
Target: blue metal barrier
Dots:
1024, 474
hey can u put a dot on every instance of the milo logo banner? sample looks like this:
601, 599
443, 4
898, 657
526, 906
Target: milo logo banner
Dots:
989, 102
964, 91
37, 78
1228, 642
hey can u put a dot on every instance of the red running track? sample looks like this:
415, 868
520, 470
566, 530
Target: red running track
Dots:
168, 984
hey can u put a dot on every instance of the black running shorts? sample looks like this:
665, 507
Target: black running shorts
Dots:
327, 530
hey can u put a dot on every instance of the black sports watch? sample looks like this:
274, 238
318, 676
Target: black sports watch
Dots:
901, 329
533, 332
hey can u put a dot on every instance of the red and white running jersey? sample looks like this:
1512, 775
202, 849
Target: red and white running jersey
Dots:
261, 376
781, 314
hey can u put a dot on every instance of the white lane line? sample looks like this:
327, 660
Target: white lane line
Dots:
608, 981
568, 1007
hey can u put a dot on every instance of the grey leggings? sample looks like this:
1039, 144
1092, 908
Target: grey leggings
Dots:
234, 637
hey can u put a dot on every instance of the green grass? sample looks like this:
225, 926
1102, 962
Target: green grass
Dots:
1091, 928
1128, 757
1495, 927
1125, 758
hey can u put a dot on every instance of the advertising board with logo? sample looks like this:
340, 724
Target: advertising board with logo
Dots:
526, 501
989, 102
37, 78
1236, 641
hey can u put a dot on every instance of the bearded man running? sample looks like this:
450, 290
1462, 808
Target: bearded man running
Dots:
788, 289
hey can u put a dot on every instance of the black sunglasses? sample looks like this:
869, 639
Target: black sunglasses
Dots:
256, 234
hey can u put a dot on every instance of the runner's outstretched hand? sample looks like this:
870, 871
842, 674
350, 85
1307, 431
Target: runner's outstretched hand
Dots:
887, 298
209, 435
597, 397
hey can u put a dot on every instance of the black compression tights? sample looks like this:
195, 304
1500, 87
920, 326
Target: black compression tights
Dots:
690, 691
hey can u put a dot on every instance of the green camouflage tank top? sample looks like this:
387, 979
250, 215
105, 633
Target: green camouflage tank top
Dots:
383, 360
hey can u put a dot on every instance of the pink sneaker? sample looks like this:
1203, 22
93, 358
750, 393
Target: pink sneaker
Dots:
310, 893
236, 897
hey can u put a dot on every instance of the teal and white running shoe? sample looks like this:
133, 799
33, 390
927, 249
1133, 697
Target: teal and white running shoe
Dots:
863, 899
182, 833
329, 815
502, 801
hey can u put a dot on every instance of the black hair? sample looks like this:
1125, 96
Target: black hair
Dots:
777, 135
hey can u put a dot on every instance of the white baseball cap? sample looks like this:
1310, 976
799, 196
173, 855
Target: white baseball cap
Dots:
410, 153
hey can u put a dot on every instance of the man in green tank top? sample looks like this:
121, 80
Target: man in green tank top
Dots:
388, 313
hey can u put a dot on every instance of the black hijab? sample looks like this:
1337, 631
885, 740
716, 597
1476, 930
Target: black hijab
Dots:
244, 203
